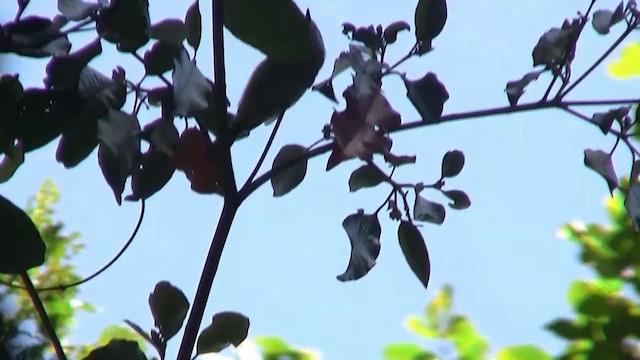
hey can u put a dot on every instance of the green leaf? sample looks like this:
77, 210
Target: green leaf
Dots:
77, 10
364, 236
569, 329
112, 332
125, 23
172, 31
628, 64
466, 340
440, 306
365, 176
21, 245
277, 28
193, 20
285, 181
417, 326
415, 251
407, 351
523, 352
117, 349
227, 328
169, 308
272, 345
430, 18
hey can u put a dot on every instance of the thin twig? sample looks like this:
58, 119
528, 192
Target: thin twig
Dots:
601, 102
44, 318
406, 57
265, 151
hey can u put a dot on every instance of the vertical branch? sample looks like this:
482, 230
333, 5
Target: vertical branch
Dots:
231, 199
42, 313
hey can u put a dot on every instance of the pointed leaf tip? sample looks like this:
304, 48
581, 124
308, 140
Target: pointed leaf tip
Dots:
21, 245
415, 251
285, 181
601, 162
364, 236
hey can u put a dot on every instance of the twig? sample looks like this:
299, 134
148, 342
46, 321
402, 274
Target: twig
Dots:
44, 318
265, 151
406, 57
601, 102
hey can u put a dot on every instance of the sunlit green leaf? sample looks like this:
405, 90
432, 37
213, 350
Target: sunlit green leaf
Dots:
523, 352
407, 351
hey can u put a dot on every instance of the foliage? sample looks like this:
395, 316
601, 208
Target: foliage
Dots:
83, 108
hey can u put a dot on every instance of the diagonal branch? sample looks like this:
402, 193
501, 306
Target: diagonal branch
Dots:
265, 151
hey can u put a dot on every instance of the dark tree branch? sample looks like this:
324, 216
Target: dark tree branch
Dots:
44, 318
265, 151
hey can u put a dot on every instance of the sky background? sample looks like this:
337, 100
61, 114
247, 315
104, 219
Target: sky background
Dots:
524, 174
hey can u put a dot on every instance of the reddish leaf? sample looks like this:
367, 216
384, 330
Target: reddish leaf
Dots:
360, 130
198, 158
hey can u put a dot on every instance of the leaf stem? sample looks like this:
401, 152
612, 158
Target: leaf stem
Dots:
265, 151
42, 313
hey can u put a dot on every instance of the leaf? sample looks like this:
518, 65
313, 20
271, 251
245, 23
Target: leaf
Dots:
273, 345
396, 160
407, 351
427, 95
603, 20
601, 162
452, 163
159, 59
628, 64
200, 160
360, 129
117, 349
515, 89
415, 251
429, 211
391, 32
125, 23
77, 10
78, 139
37, 37
365, 176
111, 93
460, 199
605, 120
138, 329
169, 308
364, 236
358, 57
63, 72
285, 181
430, 18
21, 246
272, 89
227, 328
553, 45
417, 326
121, 333
276, 28
154, 173
11, 162
193, 20
190, 87
568, 329
523, 352
632, 198
172, 31
439, 307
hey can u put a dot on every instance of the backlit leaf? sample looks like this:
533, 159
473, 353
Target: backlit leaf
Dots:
172, 31
364, 177
428, 96
285, 181
415, 251
602, 20
190, 87
429, 211
601, 162
452, 163
430, 18
169, 308
523, 352
364, 235
21, 246
628, 64
226, 328
407, 351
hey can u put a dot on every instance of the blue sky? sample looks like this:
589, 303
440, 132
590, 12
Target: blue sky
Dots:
524, 173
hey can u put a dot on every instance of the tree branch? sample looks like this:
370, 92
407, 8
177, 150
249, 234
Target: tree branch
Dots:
44, 318
265, 151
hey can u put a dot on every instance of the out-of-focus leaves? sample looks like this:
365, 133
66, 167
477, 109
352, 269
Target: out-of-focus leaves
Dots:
632, 198
364, 235
226, 328
407, 351
159, 59
117, 349
21, 245
415, 251
77, 10
125, 23
628, 64
601, 162
285, 181
523, 352
35, 36
63, 72
193, 21
427, 95
569, 329
603, 20
429, 211
172, 31
169, 308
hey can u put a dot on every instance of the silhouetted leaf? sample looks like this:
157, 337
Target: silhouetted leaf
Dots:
391, 32
354, 58
125, 23
460, 199
172, 31
364, 235
190, 87
407, 351
415, 251
569, 329
285, 181
117, 349
77, 10
430, 18
523, 352
427, 95
605, 120
632, 198
21, 246
111, 93
169, 308
553, 45
227, 328
600, 162
12, 160
364, 177
452, 163
200, 160
78, 139
277, 28
603, 20
159, 59
156, 169
360, 130
399, 160
515, 89
429, 211
193, 20
63, 72
36, 37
